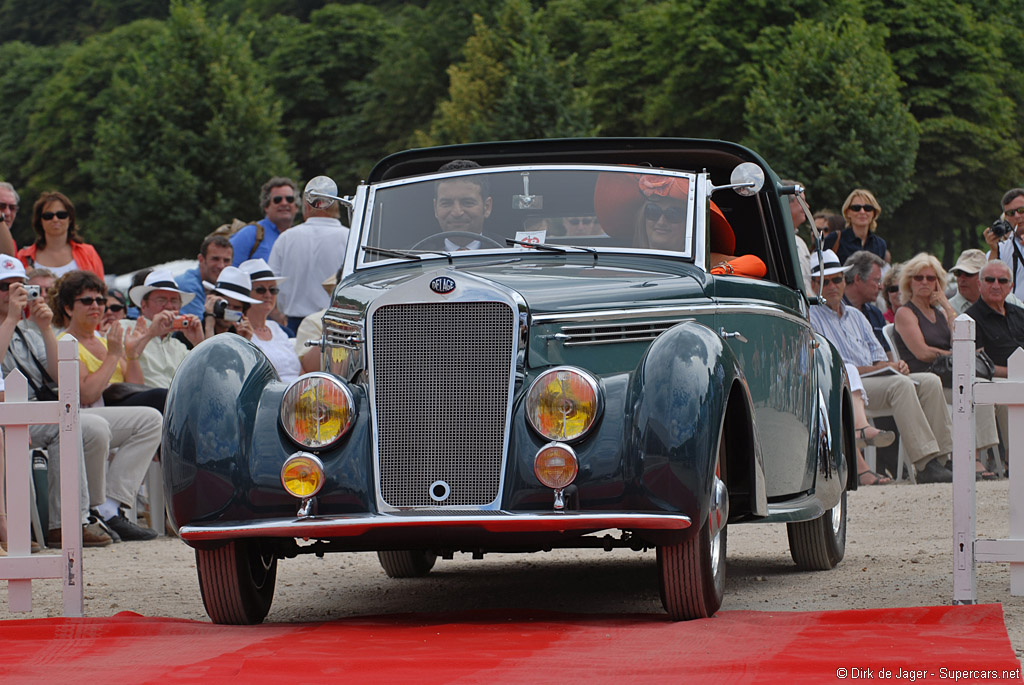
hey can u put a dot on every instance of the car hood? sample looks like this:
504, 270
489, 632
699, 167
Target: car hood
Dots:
549, 286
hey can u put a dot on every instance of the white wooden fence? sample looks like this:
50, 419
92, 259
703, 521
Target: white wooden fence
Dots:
19, 567
968, 550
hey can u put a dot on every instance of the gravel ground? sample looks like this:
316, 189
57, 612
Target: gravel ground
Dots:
899, 553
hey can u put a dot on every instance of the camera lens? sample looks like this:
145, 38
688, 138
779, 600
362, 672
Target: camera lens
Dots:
218, 308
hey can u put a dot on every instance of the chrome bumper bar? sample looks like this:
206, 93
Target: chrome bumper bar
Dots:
326, 527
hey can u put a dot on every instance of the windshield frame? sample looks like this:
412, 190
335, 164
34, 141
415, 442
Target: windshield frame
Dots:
360, 259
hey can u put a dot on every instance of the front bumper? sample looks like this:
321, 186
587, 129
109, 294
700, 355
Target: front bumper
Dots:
501, 522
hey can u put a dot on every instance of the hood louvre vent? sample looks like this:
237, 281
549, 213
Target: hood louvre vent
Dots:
606, 334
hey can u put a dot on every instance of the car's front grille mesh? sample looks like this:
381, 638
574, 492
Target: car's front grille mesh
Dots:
441, 375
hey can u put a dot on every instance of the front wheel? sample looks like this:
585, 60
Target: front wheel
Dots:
820, 544
406, 563
237, 581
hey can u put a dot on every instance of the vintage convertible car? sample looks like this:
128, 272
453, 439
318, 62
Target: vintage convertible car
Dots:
558, 343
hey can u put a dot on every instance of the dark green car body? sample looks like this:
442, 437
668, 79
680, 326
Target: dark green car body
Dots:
705, 381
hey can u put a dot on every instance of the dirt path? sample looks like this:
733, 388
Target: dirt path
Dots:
898, 554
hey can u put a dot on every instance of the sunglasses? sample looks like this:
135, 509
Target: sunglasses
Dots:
922, 277
833, 280
892, 289
90, 301
60, 215
577, 222
1007, 212
673, 215
4, 206
290, 199
863, 208
115, 308
262, 290
4, 287
993, 279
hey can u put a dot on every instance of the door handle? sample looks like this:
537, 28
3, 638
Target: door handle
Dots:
735, 334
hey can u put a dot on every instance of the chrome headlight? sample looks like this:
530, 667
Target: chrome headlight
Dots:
317, 410
563, 403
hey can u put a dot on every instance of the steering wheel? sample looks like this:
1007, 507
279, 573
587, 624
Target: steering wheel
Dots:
438, 238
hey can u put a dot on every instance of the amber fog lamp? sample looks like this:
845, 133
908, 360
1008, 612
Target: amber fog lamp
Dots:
556, 466
563, 403
302, 475
317, 410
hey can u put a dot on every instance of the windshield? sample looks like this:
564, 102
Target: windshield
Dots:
566, 207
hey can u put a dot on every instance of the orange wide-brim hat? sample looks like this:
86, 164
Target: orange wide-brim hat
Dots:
619, 197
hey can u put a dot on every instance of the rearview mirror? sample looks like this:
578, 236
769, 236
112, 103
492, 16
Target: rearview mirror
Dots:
321, 192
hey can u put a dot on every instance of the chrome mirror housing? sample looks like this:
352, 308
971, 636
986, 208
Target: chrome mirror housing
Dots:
746, 179
321, 192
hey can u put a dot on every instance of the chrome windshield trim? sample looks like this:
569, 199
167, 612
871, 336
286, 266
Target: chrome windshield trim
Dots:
495, 522
682, 311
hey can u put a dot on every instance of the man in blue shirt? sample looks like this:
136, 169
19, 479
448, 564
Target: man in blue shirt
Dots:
277, 198
214, 254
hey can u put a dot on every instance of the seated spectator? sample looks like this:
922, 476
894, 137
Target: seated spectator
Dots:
267, 334
58, 247
79, 299
232, 289
968, 286
999, 327
863, 281
831, 225
43, 278
916, 400
861, 211
215, 253
106, 484
923, 333
159, 301
865, 432
138, 278
117, 310
891, 292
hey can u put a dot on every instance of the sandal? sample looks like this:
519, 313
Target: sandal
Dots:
981, 473
869, 477
879, 439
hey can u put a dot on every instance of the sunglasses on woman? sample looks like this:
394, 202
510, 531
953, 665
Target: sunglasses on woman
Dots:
931, 278
116, 308
90, 301
862, 208
673, 215
262, 290
892, 289
50, 215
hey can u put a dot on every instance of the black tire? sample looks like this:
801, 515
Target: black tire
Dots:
406, 563
692, 579
820, 544
237, 581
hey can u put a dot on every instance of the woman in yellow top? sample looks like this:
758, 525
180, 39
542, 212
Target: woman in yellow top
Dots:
79, 299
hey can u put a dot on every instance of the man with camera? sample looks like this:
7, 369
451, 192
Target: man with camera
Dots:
159, 301
228, 303
1005, 237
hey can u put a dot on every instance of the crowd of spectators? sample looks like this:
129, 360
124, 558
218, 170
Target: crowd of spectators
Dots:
892, 322
130, 344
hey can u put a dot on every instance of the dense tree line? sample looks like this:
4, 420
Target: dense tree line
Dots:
161, 118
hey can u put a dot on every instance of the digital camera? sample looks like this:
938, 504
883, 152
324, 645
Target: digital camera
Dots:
32, 291
221, 311
180, 323
1001, 228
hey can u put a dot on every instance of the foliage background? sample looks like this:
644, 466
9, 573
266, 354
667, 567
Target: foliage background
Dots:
161, 118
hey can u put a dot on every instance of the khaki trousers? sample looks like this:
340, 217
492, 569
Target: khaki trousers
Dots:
919, 410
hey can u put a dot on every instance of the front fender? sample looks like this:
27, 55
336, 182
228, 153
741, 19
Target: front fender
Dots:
678, 395
210, 416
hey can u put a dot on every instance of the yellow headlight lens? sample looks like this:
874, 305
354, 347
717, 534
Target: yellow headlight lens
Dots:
563, 403
302, 475
317, 410
555, 466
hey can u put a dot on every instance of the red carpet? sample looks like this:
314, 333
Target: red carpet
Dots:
519, 647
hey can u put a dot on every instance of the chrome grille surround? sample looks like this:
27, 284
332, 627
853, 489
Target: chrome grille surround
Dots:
441, 380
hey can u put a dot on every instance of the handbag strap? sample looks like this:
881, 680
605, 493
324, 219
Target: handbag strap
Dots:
47, 381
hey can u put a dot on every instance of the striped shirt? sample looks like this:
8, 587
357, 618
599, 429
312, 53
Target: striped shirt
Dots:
850, 333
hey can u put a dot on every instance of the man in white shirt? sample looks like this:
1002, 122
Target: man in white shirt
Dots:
159, 301
1002, 247
305, 255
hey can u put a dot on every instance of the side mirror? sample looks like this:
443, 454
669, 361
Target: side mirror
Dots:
322, 192
746, 179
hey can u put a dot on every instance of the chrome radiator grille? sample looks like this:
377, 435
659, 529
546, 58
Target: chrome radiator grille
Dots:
441, 375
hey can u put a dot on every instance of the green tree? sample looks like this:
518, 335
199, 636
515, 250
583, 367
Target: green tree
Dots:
826, 108
509, 85
191, 135
970, 152
56, 21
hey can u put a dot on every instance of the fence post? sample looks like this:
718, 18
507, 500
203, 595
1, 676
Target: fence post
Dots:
965, 581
